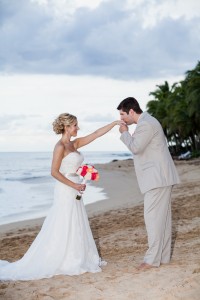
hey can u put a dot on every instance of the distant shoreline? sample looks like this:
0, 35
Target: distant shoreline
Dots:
110, 187
121, 193
27, 187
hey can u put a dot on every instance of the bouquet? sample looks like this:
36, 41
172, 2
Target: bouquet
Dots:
88, 172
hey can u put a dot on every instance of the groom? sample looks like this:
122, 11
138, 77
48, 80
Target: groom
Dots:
156, 174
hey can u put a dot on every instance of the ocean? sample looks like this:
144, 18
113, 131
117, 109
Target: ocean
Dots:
27, 188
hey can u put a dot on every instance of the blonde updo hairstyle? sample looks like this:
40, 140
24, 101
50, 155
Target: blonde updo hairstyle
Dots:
61, 121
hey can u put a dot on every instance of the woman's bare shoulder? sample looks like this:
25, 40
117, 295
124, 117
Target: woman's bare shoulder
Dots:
59, 146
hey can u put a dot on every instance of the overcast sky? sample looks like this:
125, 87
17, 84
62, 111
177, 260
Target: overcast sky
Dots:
84, 57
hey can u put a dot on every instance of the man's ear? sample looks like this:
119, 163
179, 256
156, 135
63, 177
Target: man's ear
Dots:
131, 112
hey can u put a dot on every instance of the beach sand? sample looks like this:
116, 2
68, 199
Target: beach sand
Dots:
119, 231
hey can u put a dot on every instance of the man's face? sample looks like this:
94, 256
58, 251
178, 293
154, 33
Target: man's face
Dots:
127, 118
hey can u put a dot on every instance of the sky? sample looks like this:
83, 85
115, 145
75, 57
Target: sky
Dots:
84, 57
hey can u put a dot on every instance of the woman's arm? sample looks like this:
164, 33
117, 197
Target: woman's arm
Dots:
55, 167
80, 142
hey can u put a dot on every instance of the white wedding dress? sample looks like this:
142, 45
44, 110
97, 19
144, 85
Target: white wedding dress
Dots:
65, 244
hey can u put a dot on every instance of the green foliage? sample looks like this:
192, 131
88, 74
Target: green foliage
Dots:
196, 154
178, 110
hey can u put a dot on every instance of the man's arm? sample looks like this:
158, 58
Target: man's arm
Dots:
140, 139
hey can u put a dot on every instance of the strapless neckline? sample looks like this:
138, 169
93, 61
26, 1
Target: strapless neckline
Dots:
77, 152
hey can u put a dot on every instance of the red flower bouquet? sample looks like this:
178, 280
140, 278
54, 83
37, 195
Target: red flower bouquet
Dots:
88, 172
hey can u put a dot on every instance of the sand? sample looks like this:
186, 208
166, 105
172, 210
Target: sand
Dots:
118, 228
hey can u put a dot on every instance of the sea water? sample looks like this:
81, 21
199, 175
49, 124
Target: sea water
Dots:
27, 188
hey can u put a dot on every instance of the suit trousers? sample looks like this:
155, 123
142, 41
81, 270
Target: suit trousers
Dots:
157, 216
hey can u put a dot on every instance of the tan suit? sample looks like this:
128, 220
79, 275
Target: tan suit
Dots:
156, 174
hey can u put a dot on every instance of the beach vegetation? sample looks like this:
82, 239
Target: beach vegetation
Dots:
177, 107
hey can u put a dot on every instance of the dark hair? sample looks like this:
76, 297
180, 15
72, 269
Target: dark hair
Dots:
130, 103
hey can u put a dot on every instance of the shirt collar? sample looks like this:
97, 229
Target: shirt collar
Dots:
140, 116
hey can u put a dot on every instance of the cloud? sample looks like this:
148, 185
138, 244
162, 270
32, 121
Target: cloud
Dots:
21, 124
98, 118
110, 40
7, 121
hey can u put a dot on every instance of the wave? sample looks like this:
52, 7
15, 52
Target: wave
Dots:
121, 154
42, 158
26, 178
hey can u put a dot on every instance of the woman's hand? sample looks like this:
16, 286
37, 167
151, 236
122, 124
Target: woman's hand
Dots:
79, 187
119, 122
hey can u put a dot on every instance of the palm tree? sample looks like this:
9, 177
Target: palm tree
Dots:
178, 110
192, 85
158, 106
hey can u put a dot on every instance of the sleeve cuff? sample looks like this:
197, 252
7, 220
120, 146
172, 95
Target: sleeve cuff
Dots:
124, 134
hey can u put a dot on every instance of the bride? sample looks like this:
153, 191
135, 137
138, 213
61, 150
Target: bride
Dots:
65, 244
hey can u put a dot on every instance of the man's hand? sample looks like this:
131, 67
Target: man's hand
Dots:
123, 127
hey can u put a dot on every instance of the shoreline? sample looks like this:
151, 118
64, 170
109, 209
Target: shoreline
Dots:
116, 198
127, 196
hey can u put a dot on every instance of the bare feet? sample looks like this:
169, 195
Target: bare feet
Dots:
144, 266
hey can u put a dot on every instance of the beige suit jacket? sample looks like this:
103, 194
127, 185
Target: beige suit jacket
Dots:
154, 166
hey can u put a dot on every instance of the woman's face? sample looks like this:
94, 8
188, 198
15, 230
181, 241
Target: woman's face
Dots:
73, 129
